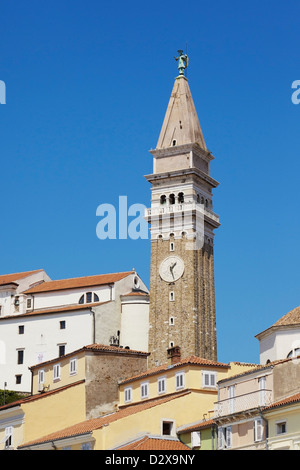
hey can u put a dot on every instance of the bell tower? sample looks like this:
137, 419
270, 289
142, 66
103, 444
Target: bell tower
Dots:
182, 221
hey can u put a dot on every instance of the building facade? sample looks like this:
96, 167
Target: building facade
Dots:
182, 223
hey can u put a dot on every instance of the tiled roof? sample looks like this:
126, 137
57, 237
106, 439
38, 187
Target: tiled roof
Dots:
196, 426
87, 281
291, 318
284, 402
155, 443
8, 278
96, 423
49, 311
191, 360
95, 347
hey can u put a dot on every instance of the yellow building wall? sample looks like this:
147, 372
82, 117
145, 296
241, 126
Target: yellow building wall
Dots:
65, 377
8, 418
54, 412
290, 439
185, 409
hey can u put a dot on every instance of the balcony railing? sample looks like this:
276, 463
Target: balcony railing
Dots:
181, 207
244, 402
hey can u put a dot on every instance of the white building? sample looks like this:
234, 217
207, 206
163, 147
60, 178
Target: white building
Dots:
281, 340
42, 319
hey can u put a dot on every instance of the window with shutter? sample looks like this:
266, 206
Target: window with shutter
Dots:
196, 439
258, 430
179, 380
209, 379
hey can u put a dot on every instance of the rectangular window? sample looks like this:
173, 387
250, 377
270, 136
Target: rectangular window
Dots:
61, 350
62, 324
18, 379
28, 303
21, 356
179, 380
56, 372
224, 437
73, 366
209, 379
128, 394
167, 428
145, 390
86, 446
258, 430
281, 427
89, 297
21, 329
8, 437
195, 439
161, 385
41, 376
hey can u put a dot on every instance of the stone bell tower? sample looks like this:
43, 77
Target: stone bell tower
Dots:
182, 292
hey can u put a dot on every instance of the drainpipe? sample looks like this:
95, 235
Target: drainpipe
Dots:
94, 327
266, 427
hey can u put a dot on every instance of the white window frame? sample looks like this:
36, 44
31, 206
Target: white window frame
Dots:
127, 394
41, 376
56, 372
180, 380
161, 385
144, 390
224, 437
209, 379
258, 429
195, 439
277, 424
73, 366
8, 437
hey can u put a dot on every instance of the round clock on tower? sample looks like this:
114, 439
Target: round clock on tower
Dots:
182, 293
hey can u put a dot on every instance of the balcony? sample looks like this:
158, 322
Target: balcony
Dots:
241, 403
182, 207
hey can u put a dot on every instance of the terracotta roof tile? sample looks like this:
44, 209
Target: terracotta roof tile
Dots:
291, 318
285, 401
97, 423
8, 278
196, 426
73, 283
155, 443
195, 360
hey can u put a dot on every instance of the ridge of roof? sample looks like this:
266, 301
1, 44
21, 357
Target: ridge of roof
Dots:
190, 360
75, 282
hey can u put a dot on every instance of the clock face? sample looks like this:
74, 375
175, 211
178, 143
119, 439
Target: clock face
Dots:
171, 268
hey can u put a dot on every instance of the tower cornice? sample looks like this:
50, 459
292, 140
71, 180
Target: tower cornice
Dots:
180, 173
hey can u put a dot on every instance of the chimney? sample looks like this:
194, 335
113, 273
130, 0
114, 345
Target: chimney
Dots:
174, 355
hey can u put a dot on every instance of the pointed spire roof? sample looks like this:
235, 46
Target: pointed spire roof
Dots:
181, 124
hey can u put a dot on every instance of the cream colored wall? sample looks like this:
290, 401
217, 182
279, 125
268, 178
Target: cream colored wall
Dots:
54, 412
185, 409
65, 378
290, 439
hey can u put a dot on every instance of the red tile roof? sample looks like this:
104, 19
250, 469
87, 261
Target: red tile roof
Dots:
196, 426
155, 443
90, 425
49, 311
8, 278
284, 402
191, 360
77, 282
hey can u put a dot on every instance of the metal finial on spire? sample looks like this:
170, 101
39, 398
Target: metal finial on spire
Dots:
183, 62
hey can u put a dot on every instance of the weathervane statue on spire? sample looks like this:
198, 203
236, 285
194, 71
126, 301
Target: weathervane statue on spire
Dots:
183, 62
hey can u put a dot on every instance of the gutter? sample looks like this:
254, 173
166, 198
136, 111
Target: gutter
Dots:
266, 428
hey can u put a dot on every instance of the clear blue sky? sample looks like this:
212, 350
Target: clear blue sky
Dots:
87, 88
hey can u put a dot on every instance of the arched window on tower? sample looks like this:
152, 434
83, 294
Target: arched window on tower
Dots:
172, 199
180, 198
163, 199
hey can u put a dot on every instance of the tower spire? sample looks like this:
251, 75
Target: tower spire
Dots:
181, 124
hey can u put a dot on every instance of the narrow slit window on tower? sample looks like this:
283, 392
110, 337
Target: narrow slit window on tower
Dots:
171, 296
172, 247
